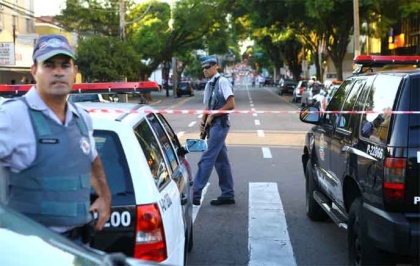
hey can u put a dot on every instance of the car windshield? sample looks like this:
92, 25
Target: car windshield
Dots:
40, 246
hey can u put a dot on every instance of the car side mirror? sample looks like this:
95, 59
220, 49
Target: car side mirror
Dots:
195, 145
310, 115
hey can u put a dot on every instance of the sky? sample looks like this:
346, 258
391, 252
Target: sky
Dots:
48, 7
53, 7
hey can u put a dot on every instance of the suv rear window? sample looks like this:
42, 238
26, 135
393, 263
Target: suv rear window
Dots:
116, 168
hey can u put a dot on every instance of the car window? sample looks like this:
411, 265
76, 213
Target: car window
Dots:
168, 150
349, 103
84, 98
115, 165
153, 154
336, 103
380, 98
173, 137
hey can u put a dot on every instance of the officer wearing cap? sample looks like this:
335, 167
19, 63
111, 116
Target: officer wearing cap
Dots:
48, 148
218, 95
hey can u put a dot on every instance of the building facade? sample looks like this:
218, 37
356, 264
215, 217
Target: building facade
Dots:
19, 31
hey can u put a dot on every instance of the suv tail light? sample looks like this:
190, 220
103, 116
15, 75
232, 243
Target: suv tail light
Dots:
150, 235
394, 177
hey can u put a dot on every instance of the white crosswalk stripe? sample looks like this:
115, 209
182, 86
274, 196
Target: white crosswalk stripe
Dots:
268, 238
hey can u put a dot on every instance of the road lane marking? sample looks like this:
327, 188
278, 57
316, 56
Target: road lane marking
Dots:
254, 114
192, 124
260, 133
180, 134
257, 122
197, 208
247, 137
268, 239
266, 152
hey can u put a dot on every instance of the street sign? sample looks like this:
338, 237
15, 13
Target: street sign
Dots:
7, 53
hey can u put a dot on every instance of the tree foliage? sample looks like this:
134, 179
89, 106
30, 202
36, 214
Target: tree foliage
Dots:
91, 17
110, 60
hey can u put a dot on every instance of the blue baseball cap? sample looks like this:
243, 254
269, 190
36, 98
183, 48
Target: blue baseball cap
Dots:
51, 45
209, 59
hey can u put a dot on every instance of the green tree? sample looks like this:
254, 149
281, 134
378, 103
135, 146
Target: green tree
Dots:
91, 17
111, 60
196, 25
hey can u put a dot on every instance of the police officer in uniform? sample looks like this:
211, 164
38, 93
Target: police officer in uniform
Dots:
48, 150
218, 95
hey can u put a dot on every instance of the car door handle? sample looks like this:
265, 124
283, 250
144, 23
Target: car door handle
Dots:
184, 199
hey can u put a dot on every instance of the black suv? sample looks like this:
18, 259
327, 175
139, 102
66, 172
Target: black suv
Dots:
362, 164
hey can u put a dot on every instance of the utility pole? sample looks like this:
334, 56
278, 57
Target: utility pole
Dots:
356, 28
122, 20
174, 60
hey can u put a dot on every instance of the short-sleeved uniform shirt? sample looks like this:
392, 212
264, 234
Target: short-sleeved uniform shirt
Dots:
17, 136
225, 88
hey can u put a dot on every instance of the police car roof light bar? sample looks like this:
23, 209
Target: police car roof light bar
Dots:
362, 61
105, 87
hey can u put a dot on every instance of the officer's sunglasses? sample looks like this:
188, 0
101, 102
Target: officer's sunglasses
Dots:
206, 67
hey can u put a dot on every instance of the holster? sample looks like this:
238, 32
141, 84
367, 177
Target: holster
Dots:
225, 120
85, 232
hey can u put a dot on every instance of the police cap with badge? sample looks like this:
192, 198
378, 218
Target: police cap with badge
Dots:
210, 60
51, 45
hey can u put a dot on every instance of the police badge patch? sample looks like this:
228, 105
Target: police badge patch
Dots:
84, 145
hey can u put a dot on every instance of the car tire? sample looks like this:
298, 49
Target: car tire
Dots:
313, 209
361, 250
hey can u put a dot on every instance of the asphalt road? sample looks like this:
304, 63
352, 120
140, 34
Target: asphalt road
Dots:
265, 150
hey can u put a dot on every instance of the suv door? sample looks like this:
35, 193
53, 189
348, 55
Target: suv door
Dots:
344, 136
323, 135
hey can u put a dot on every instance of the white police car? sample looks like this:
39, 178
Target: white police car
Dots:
150, 181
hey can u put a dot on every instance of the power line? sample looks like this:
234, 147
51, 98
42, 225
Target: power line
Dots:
23, 11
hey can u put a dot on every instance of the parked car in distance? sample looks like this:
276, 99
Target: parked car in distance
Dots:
150, 181
309, 94
287, 86
298, 90
26, 242
268, 81
184, 88
361, 161
202, 84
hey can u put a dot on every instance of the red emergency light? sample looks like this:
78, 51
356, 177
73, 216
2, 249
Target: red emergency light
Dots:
104, 88
369, 61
